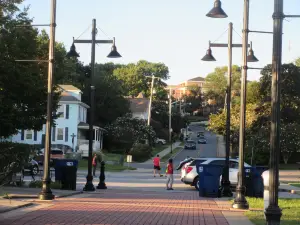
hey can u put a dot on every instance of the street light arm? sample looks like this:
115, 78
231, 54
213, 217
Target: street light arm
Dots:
96, 41
292, 16
215, 45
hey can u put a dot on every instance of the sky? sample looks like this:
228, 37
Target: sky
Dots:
173, 32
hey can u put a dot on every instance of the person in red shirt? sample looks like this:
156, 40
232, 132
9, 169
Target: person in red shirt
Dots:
169, 174
156, 165
94, 163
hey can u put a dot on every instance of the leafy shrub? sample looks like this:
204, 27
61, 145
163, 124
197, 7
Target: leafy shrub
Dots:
13, 157
73, 155
140, 152
39, 184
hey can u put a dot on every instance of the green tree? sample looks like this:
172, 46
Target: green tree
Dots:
23, 86
290, 91
297, 62
110, 101
130, 131
290, 113
136, 77
194, 100
216, 84
253, 95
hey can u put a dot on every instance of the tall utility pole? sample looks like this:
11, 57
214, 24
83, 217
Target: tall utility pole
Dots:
240, 201
150, 102
46, 193
170, 119
273, 212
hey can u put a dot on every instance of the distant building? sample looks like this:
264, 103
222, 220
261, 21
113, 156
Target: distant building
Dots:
183, 88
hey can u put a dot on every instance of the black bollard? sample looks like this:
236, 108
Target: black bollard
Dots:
102, 184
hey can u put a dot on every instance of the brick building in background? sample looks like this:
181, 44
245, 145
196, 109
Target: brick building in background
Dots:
183, 88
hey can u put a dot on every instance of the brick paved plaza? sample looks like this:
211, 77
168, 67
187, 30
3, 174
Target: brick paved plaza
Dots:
127, 207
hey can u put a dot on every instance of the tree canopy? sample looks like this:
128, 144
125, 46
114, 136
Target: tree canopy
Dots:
23, 85
136, 78
258, 113
216, 84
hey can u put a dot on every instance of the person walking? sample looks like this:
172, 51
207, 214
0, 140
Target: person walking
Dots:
156, 166
169, 174
94, 163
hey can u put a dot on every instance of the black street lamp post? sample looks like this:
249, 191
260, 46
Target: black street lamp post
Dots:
240, 201
273, 212
113, 54
226, 191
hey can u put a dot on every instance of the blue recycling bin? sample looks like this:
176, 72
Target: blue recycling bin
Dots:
257, 181
66, 173
209, 180
248, 179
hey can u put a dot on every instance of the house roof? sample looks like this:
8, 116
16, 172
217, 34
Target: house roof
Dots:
68, 98
197, 79
68, 87
139, 104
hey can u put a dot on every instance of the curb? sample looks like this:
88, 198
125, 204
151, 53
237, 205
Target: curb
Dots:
35, 196
16, 207
70, 194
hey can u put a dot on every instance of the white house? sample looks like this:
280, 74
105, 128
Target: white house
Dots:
71, 129
139, 107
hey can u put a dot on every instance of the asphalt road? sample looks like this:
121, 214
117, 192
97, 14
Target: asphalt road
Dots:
202, 150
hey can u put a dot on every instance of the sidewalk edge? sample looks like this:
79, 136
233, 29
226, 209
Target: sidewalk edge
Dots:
16, 207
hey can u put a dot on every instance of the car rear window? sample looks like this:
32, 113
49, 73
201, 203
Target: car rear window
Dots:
195, 162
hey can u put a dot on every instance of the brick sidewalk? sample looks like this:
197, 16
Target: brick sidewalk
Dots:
127, 207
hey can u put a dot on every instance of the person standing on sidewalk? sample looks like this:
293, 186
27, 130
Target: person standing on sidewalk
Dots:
156, 166
169, 174
94, 163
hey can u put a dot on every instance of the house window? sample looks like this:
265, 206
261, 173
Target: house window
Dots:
60, 134
29, 135
61, 111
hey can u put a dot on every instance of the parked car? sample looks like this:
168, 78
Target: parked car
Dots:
160, 141
190, 144
202, 141
189, 174
54, 154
